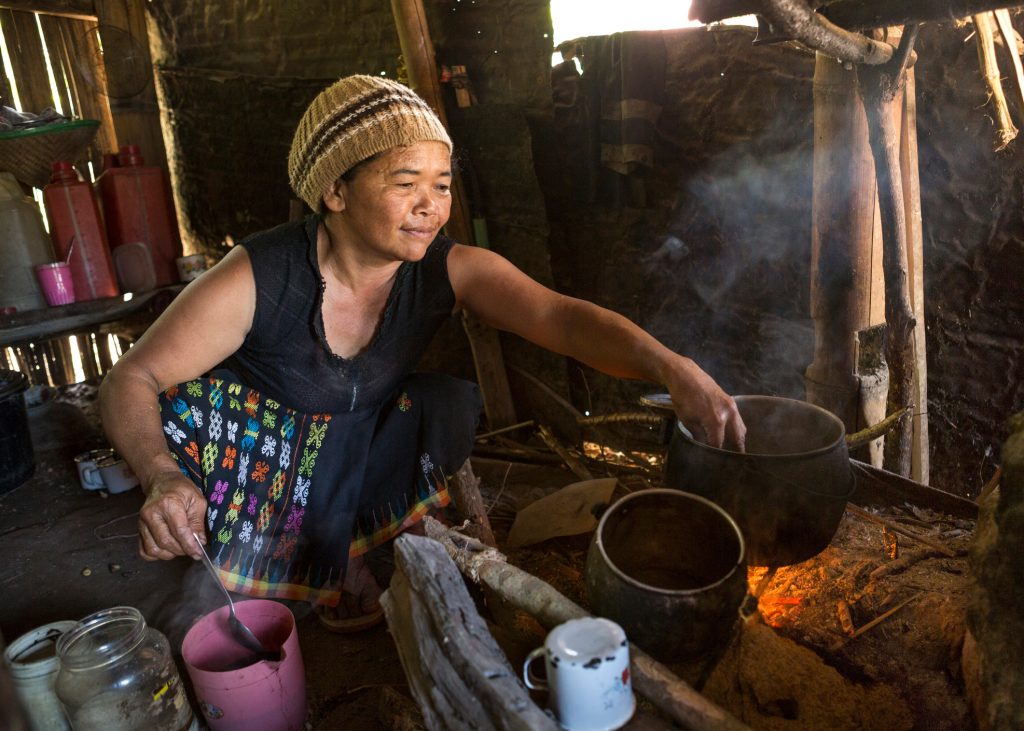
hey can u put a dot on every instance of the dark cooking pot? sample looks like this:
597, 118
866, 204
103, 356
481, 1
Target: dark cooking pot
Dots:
17, 461
668, 567
788, 490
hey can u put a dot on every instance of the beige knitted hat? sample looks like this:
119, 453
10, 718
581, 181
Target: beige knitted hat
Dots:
351, 120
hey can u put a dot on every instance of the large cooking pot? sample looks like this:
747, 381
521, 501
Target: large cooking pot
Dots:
788, 490
17, 460
668, 567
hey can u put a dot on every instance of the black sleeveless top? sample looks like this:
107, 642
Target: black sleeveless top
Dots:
285, 354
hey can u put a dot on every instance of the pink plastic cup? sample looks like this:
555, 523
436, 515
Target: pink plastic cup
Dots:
55, 279
270, 696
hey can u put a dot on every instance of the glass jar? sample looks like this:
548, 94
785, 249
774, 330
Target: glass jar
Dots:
117, 674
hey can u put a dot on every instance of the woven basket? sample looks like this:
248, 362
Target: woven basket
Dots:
30, 153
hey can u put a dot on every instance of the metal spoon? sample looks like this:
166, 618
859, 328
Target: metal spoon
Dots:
239, 631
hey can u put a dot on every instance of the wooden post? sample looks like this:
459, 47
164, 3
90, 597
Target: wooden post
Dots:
418, 51
919, 466
880, 88
845, 299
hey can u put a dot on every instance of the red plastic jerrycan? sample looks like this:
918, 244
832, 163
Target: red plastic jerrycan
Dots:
141, 226
77, 229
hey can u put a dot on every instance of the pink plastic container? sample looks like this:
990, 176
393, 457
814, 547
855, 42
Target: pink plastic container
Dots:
270, 696
57, 283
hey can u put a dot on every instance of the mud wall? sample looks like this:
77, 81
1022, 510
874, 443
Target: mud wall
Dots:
709, 249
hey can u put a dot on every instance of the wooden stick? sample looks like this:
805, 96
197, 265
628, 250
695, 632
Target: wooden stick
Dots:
990, 72
874, 622
539, 599
651, 419
503, 430
991, 485
862, 437
879, 90
1010, 43
464, 487
897, 528
570, 459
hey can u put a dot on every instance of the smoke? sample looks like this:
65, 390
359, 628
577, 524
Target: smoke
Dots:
735, 263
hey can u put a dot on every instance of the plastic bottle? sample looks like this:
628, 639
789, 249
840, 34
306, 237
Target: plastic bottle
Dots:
139, 213
23, 245
77, 229
117, 674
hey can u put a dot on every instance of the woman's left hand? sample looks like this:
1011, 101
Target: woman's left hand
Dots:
704, 408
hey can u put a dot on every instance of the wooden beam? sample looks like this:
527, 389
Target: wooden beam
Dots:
880, 487
136, 117
80, 9
860, 14
418, 52
27, 60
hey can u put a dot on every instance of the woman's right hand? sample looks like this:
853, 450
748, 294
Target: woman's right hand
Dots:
173, 511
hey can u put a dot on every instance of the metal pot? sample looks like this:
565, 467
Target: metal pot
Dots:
17, 460
788, 490
668, 567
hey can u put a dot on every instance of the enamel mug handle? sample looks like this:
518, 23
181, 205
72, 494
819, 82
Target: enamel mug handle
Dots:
532, 681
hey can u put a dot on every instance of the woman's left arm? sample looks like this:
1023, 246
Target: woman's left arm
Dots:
502, 296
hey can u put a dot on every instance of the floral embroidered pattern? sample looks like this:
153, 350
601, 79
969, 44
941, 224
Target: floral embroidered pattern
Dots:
245, 534
404, 402
426, 464
294, 521
251, 510
232, 430
194, 388
230, 453
243, 468
286, 455
219, 490
259, 472
172, 430
211, 515
197, 417
269, 446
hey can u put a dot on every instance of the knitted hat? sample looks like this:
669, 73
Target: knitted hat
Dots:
355, 118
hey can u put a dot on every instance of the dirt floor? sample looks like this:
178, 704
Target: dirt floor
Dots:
790, 664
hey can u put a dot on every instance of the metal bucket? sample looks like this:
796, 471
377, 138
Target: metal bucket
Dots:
669, 567
788, 490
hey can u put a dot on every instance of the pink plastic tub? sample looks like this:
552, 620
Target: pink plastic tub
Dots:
270, 696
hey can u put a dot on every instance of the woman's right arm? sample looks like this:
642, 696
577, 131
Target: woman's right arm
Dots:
207, 322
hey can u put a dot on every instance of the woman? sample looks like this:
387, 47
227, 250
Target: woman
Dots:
316, 443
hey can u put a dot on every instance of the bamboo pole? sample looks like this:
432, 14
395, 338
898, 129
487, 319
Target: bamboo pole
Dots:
920, 461
418, 52
842, 237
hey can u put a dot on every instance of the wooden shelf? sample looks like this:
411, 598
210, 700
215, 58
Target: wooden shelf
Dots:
35, 325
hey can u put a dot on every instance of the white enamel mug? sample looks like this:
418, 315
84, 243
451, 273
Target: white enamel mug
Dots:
588, 678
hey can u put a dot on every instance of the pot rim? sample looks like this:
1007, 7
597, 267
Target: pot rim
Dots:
599, 542
686, 434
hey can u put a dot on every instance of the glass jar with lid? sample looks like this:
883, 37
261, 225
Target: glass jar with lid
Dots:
117, 674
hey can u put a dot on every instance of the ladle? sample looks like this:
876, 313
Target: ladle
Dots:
242, 634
